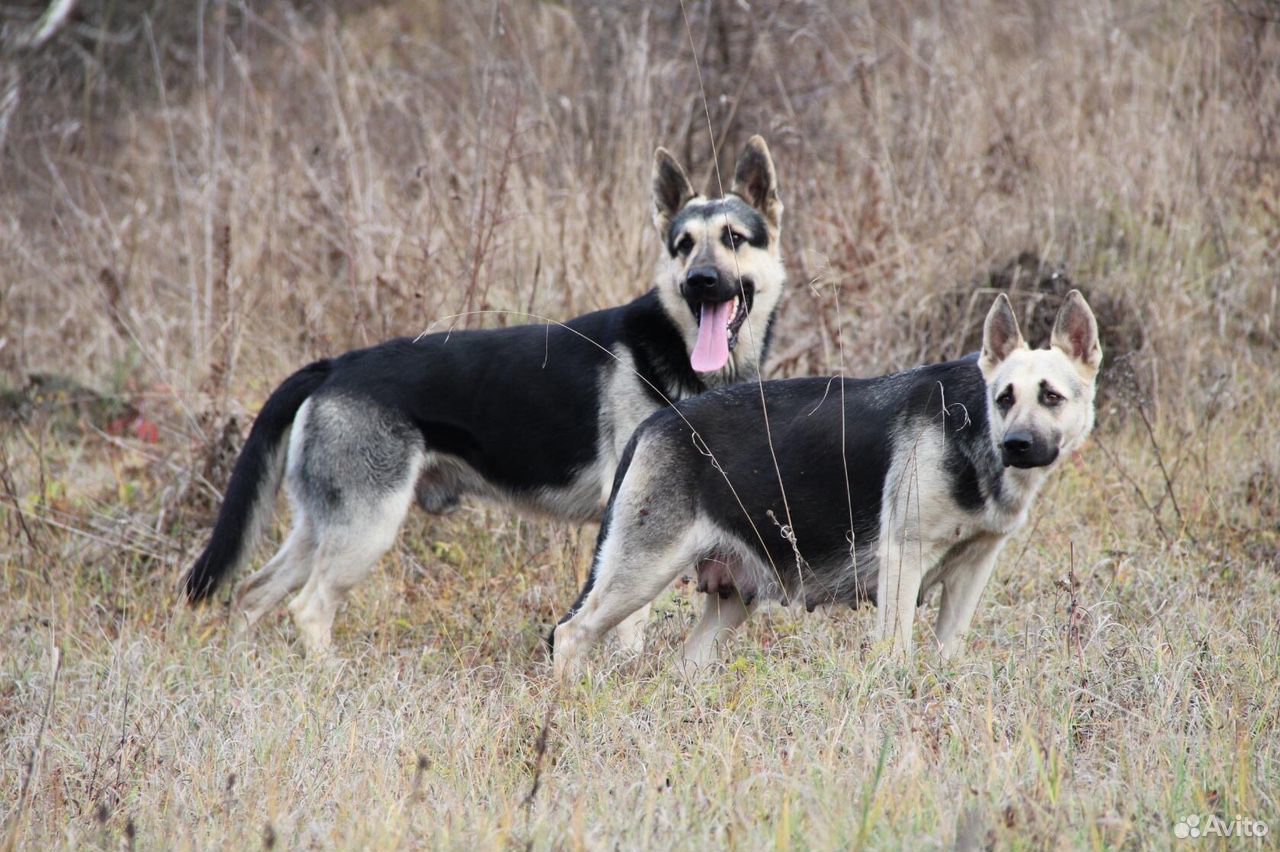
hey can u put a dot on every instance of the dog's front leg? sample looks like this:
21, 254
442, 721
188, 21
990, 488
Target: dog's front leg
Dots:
962, 585
898, 589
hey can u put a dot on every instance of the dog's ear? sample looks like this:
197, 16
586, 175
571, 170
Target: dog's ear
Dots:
1000, 336
755, 180
1075, 332
671, 190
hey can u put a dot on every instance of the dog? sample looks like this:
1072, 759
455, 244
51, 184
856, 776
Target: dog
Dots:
535, 416
842, 491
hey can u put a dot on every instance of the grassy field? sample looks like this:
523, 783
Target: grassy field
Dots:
191, 205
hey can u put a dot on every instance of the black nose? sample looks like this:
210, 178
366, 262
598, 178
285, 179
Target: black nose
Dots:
702, 278
1017, 444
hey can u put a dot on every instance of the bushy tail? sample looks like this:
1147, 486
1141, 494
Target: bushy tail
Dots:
254, 483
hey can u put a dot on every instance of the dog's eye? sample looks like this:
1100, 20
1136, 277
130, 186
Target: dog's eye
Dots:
1051, 398
733, 239
1005, 399
685, 245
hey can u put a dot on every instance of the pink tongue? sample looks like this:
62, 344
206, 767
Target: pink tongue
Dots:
711, 352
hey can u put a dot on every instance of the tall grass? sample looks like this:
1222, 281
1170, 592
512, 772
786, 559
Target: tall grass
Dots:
192, 205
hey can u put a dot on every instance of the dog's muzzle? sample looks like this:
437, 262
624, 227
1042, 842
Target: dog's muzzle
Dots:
1024, 449
704, 285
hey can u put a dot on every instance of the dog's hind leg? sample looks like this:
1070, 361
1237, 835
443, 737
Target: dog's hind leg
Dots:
628, 576
283, 574
344, 556
287, 570
720, 617
631, 630
353, 483
963, 581
645, 541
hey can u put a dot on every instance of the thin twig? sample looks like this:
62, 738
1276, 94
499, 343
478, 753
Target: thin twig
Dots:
1164, 472
11, 492
764, 405
1137, 489
1207, 416
540, 756
54, 17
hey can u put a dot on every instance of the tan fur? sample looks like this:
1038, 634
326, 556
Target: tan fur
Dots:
925, 536
756, 183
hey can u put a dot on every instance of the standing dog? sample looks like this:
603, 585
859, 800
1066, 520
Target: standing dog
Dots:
535, 416
871, 490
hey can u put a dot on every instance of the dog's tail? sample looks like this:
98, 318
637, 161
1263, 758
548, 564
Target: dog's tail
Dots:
247, 505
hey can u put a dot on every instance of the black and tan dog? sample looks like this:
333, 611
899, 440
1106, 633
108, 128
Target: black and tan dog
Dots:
535, 416
856, 490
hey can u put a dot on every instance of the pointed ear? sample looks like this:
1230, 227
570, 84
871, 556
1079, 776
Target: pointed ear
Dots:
671, 190
754, 179
1000, 336
1075, 332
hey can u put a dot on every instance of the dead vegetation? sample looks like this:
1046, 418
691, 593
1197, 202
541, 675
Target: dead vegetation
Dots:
193, 204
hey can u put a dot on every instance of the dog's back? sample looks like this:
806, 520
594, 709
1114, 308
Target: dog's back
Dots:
533, 416
796, 469
843, 490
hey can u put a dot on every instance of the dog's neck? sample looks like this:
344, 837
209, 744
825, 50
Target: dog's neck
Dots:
1018, 490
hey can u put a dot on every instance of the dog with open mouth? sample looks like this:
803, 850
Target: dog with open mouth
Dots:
535, 416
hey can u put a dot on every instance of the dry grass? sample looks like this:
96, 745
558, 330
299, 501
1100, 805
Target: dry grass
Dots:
296, 181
